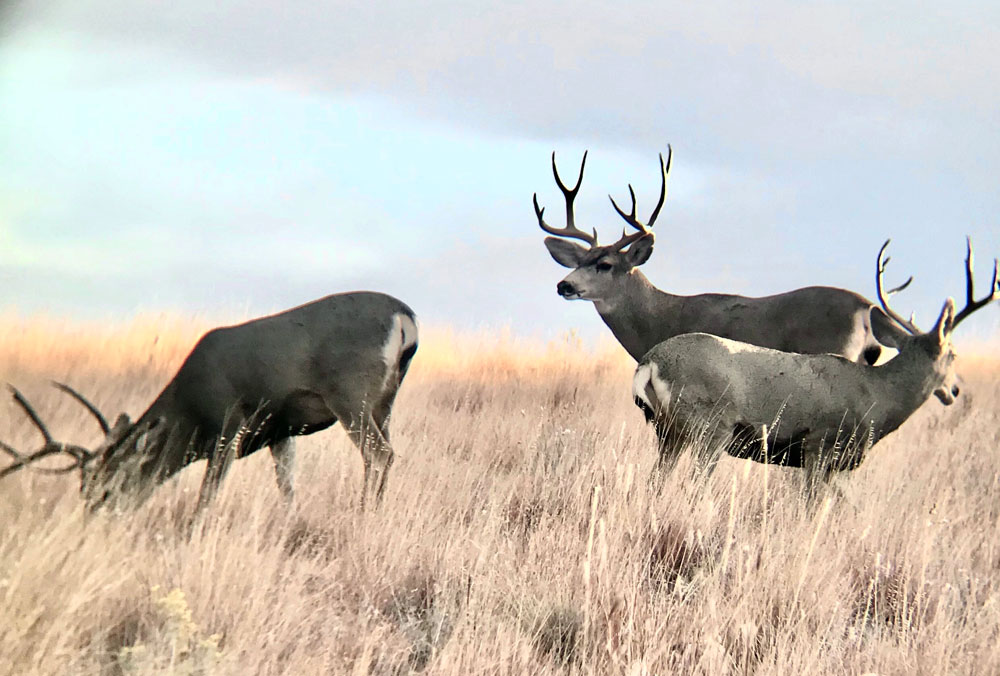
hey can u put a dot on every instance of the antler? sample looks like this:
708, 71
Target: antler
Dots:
51, 447
569, 194
96, 412
971, 304
883, 260
630, 218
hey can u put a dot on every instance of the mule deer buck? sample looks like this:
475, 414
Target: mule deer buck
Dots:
812, 320
261, 383
818, 412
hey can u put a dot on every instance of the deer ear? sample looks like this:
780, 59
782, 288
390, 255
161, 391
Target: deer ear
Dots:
639, 251
946, 322
567, 254
120, 428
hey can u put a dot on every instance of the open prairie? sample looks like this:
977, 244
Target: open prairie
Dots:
519, 534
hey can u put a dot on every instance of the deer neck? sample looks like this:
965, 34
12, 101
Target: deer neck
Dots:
642, 315
909, 380
159, 451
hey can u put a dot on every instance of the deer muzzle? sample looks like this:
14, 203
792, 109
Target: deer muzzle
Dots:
567, 290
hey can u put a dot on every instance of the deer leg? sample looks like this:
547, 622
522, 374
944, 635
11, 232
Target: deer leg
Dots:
669, 447
283, 455
216, 470
384, 409
707, 458
382, 457
376, 452
381, 418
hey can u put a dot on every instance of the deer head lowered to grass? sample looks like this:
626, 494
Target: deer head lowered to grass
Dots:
260, 383
811, 320
818, 412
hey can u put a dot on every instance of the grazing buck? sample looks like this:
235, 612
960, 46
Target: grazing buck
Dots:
256, 384
812, 320
818, 412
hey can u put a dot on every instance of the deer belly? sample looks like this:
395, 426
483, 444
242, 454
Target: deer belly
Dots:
304, 412
785, 451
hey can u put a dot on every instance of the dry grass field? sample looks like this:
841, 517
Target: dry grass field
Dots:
519, 535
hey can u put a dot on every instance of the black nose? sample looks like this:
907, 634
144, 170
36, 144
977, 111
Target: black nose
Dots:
954, 390
564, 288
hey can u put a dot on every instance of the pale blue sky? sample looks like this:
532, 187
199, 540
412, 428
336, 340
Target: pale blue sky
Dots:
234, 157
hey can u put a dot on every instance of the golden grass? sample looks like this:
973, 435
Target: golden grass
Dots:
519, 535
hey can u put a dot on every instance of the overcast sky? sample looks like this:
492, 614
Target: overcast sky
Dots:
237, 158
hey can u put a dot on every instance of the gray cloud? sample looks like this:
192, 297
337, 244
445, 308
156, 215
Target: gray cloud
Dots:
817, 129
735, 80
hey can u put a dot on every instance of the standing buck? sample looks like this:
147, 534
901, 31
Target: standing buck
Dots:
811, 320
818, 412
256, 384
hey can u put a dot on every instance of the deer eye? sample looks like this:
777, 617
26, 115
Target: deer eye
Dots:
603, 267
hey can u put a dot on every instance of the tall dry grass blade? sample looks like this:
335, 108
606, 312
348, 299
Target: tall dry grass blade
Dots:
824, 510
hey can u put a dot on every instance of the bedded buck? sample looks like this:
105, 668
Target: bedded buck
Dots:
818, 412
261, 383
813, 320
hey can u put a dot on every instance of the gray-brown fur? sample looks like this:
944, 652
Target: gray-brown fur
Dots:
811, 320
261, 383
822, 412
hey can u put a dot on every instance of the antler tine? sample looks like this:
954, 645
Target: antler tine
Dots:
896, 289
10, 450
664, 172
883, 295
630, 218
26, 406
971, 304
81, 455
20, 460
101, 420
970, 287
569, 194
51, 447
